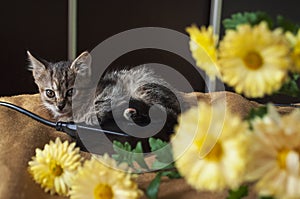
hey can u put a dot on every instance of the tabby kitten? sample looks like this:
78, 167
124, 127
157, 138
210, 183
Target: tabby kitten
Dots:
125, 95
55, 82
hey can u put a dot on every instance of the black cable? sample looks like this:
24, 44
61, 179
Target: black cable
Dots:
28, 113
68, 127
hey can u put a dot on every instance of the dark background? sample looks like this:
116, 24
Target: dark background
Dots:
38, 26
41, 27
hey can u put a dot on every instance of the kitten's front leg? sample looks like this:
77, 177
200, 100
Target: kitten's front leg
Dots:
87, 116
65, 119
93, 116
91, 119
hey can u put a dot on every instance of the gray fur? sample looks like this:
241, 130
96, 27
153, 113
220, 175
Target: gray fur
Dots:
139, 83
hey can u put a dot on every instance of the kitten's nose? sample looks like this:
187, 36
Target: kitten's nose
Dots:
61, 105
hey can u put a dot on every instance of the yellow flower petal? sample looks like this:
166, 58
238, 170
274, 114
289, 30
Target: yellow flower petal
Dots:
209, 148
54, 166
101, 178
295, 54
274, 157
250, 55
203, 47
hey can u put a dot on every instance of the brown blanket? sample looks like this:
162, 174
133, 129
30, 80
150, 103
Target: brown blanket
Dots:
20, 136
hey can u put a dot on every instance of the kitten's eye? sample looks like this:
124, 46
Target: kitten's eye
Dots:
70, 92
50, 93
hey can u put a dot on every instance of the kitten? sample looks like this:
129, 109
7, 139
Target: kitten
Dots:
55, 82
128, 93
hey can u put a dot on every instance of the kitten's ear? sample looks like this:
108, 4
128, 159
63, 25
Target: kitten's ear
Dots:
35, 64
82, 64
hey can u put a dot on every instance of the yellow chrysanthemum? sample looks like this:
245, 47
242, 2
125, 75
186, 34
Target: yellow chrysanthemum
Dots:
254, 60
274, 155
203, 47
295, 54
54, 166
100, 178
209, 148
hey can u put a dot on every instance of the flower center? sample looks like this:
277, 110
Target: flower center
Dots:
55, 168
216, 153
281, 158
103, 191
253, 60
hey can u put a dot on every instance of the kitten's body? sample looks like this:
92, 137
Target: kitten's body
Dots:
128, 94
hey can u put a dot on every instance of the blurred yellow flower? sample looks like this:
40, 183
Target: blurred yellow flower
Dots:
54, 166
274, 155
101, 178
295, 54
209, 147
203, 47
254, 60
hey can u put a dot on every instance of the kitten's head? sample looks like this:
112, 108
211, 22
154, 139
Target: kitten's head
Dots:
56, 82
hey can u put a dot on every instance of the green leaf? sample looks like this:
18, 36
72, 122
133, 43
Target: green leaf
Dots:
162, 150
262, 16
256, 112
172, 174
122, 154
241, 192
287, 24
156, 144
125, 153
153, 188
160, 165
138, 155
290, 87
252, 18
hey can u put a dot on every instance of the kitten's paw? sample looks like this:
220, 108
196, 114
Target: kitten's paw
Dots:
91, 120
65, 119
